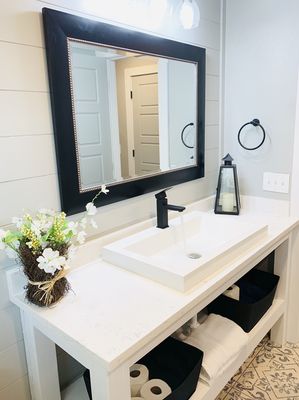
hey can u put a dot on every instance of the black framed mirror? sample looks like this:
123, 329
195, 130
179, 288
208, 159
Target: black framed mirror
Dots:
128, 109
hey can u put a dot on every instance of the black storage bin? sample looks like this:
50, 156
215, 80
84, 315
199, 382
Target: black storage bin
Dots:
176, 363
257, 291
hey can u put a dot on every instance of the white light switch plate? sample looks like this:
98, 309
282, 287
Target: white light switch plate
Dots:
276, 182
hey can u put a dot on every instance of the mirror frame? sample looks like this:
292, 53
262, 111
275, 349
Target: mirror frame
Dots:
58, 27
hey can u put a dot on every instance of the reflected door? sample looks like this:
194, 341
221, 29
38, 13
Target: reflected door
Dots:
146, 123
90, 86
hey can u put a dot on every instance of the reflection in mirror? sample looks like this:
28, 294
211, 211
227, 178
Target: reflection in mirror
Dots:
134, 114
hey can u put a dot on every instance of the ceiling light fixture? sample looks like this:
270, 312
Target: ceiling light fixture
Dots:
189, 14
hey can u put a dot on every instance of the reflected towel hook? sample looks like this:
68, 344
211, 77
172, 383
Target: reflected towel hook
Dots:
182, 135
254, 122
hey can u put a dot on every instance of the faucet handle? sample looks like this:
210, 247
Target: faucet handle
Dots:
162, 194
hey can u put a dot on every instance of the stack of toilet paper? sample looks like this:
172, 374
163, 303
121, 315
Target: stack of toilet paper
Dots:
144, 389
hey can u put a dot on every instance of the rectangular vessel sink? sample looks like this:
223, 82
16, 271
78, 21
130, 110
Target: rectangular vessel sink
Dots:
192, 248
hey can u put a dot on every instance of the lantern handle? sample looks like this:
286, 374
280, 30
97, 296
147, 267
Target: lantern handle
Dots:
254, 122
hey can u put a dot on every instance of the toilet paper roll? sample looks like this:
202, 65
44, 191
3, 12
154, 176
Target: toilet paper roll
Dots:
233, 292
155, 389
139, 375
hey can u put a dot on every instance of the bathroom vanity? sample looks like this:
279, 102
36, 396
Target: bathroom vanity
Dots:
113, 316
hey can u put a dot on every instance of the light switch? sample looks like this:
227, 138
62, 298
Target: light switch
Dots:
276, 182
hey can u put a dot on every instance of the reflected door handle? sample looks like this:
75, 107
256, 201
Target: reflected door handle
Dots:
133, 153
182, 135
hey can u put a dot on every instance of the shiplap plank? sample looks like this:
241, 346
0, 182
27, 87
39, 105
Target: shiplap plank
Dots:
212, 87
22, 68
26, 156
212, 112
20, 22
213, 61
33, 110
18, 390
210, 10
212, 136
28, 195
211, 160
11, 328
12, 364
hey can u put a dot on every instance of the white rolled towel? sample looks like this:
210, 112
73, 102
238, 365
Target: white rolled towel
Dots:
139, 375
233, 292
221, 340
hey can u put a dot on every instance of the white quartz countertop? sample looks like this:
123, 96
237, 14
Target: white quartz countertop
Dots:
113, 313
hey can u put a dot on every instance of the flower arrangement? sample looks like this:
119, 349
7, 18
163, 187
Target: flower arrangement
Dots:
44, 243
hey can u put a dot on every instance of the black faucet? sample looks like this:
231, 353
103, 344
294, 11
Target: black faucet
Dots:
162, 209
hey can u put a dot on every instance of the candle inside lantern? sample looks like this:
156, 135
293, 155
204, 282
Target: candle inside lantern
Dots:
228, 202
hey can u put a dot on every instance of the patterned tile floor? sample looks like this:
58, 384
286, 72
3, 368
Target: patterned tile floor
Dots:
270, 373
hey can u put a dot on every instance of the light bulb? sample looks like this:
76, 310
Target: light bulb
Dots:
189, 14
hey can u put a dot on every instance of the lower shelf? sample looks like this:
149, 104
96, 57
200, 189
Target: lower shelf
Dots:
210, 392
77, 390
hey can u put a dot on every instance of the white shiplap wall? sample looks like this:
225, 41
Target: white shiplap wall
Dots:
28, 176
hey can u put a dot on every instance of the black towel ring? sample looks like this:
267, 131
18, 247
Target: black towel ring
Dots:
254, 122
182, 135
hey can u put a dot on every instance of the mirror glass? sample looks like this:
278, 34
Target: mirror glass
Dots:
134, 114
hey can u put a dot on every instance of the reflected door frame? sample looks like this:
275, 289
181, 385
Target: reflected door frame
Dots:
129, 74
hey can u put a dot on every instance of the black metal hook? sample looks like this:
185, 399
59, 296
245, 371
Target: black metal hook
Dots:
254, 122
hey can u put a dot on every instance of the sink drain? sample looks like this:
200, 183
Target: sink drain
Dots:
194, 256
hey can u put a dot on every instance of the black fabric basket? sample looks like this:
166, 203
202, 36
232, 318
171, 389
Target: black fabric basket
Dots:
257, 291
176, 363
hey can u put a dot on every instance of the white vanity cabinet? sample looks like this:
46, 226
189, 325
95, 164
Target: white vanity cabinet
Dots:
114, 317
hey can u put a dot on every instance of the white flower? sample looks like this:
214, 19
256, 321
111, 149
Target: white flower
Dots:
50, 261
17, 221
81, 237
93, 223
72, 227
104, 189
91, 209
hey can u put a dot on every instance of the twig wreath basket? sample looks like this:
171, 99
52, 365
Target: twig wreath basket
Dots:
44, 244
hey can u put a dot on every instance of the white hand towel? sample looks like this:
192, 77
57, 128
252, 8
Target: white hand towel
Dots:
233, 292
221, 340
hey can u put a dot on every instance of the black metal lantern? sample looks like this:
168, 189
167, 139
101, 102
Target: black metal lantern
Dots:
227, 196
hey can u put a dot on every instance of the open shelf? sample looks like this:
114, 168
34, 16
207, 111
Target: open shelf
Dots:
77, 390
210, 392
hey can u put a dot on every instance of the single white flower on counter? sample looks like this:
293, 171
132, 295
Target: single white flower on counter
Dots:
93, 223
50, 261
83, 223
81, 237
104, 189
91, 209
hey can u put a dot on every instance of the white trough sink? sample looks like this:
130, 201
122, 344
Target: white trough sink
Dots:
192, 248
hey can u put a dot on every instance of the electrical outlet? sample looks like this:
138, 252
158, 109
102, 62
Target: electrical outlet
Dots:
276, 182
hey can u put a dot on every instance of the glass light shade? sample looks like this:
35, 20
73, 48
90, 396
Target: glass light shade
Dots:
189, 14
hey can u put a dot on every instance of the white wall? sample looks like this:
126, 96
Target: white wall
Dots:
28, 176
261, 66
